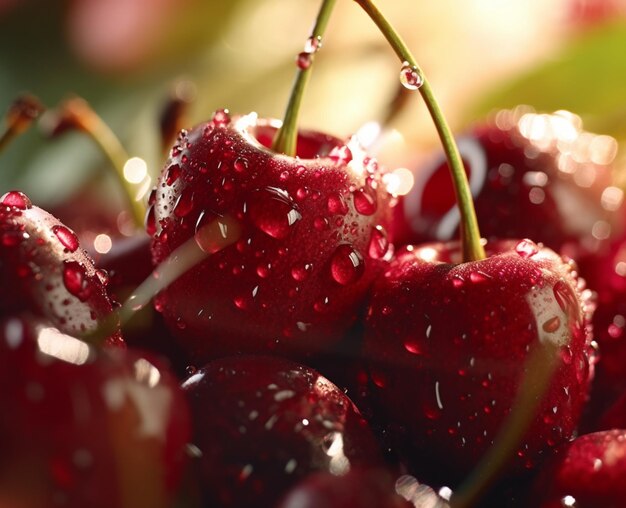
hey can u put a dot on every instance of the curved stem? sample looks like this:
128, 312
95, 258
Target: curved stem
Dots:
470, 234
76, 113
21, 114
287, 136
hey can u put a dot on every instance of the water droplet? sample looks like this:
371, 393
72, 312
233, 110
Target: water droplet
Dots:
191, 370
221, 117
410, 77
320, 223
478, 277
173, 174
16, 199
240, 165
151, 221
551, 325
304, 60
566, 298
212, 233
346, 265
74, 279
284, 176
321, 305
458, 281
263, 270
413, 346
313, 44
13, 238
336, 204
103, 276
273, 211
301, 272
526, 248
379, 244
67, 237
341, 154
184, 203
365, 201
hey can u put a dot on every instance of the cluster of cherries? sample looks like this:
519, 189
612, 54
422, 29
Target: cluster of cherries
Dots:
319, 341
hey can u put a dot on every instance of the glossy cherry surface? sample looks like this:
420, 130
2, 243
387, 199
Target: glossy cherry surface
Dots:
447, 344
359, 488
44, 270
263, 423
82, 427
532, 175
310, 238
589, 472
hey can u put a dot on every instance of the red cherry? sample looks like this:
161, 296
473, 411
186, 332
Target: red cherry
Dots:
303, 259
531, 175
587, 472
44, 270
263, 423
82, 427
359, 488
447, 344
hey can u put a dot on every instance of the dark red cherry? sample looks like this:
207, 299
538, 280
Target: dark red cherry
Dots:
359, 488
263, 423
531, 175
82, 427
43, 270
588, 472
447, 345
301, 231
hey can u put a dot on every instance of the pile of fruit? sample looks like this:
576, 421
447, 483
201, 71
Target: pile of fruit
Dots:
287, 331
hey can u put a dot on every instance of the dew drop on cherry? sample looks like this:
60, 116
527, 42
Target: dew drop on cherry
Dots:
301, 271
410, 77
273, 211
527, 248
184, 203
68, 238
74, 278
336, 204
240, 165
150, 221
16, 199
221, 117
365, 201
551, 325
379, 243
346, 265
173, 174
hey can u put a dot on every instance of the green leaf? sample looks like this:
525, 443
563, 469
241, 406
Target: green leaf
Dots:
587, 78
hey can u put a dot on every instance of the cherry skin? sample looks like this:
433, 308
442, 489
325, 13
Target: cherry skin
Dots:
447, 345
587, 472
263, 423
83, 427
311, 237
43, 270
359, 488
531, 176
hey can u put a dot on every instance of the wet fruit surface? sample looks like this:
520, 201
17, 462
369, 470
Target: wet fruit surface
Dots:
43, 270
447, 345
587, 472
82, 427
263, 423
308, 237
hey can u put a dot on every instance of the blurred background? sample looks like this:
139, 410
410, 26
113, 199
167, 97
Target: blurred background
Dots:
126, 56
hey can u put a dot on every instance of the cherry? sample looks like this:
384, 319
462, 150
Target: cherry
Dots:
359, 488
587, 472
263, 423
44, 270
310, 238
82, 427
532, 175
447, 344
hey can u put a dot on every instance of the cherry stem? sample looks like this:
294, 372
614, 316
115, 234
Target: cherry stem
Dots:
217, 235
20, 116
538, 370
470, 235
286, 139
76, 113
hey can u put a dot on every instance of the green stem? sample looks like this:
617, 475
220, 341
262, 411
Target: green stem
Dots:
470, 234
538, 370
76, 113
287, 136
